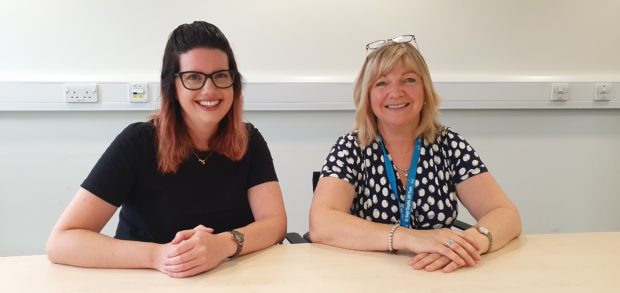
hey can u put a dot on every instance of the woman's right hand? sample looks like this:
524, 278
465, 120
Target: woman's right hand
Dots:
451, 244
160, 259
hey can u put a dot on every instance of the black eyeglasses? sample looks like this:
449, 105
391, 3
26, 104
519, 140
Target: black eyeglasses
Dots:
399, 39
194, 80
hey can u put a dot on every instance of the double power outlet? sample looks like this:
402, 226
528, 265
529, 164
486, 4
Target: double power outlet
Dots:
81, 93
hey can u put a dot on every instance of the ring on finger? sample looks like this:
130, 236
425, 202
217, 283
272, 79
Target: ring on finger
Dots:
449, 243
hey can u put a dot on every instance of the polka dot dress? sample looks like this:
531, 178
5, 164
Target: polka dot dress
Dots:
442, 165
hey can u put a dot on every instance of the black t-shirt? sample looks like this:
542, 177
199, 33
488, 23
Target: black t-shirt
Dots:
156, 206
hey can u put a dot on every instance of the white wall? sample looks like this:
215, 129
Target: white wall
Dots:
313, 39
561, 167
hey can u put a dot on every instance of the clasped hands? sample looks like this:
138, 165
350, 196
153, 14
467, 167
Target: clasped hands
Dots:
192, 252
444, 249
198, 250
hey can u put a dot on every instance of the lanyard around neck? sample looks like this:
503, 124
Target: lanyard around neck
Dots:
405, 212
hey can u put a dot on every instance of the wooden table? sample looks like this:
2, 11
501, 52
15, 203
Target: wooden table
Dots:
587, 262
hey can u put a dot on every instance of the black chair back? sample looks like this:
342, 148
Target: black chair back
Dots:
315, 179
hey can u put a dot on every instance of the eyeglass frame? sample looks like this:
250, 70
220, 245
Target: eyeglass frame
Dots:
394, 40
207, 76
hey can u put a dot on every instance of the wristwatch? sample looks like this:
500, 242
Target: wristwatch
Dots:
237, 237
484, 231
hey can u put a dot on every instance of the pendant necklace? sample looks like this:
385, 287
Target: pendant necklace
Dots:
203, 161
405, 171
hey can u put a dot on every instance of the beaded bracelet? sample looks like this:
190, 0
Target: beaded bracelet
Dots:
391, 238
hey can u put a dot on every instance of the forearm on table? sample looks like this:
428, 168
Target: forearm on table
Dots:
79, 247
344, 230
504, 224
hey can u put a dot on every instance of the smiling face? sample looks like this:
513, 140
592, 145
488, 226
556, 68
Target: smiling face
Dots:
397, 97
203, 109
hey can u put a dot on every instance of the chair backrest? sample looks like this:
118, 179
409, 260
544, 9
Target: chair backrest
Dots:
315, 179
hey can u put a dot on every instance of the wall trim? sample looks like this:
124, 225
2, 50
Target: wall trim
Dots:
313, 96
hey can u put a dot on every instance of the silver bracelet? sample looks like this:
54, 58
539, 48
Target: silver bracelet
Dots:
391, 238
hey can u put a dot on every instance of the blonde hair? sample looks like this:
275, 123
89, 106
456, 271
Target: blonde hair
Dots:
379, 62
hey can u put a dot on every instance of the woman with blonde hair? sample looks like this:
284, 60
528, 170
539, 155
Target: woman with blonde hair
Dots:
392, 184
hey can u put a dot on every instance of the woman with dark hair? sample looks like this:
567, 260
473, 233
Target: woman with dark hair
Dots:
393, 183
195, 184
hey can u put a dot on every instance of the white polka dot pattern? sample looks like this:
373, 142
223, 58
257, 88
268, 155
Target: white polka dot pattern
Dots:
443, 164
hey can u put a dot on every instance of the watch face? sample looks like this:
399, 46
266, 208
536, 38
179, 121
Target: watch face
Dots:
483, 230
238, 236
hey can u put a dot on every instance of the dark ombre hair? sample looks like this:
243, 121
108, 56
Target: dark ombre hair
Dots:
174, 144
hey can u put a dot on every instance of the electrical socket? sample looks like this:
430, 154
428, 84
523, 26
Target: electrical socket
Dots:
138, 93
603, 91
81, 93
559, 91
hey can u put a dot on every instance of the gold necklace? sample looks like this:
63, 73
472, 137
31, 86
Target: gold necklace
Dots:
405, 171
203, 161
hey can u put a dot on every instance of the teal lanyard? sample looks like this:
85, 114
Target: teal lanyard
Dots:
405, 212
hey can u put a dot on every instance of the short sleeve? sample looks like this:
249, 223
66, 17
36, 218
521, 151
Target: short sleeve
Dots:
464, 160
261, 162
343, 161
114, 175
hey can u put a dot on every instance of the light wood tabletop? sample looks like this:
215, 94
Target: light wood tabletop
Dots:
583, 262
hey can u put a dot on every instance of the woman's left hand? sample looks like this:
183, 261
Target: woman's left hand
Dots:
431, 262
195, 251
